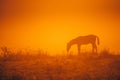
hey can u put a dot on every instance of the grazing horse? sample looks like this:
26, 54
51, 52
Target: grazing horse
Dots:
83, 40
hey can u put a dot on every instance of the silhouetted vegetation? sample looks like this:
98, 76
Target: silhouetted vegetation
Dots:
41, 66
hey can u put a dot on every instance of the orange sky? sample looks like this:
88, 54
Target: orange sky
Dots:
50, 24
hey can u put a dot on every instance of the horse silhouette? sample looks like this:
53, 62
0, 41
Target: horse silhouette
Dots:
84, 40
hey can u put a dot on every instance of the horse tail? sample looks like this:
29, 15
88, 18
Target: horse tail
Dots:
98, 41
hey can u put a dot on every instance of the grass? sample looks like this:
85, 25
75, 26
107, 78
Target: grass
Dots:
41, 66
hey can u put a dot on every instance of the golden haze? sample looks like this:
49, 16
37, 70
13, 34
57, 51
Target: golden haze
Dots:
50, 24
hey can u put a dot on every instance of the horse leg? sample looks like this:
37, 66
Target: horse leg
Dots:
78, 49
94, 48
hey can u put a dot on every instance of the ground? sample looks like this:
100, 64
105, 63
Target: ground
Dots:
86, 66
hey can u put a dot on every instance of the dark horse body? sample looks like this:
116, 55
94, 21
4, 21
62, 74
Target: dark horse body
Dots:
83, 40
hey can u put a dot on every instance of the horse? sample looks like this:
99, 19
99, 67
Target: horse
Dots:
84, 40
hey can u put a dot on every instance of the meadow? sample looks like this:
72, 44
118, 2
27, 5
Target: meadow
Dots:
42, 66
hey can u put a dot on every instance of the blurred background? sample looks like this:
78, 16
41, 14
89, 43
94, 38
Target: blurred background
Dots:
50, 24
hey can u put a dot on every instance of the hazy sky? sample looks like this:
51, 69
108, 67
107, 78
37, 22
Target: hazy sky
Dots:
50, 24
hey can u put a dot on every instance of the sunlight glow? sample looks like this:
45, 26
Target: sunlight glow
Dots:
50, 24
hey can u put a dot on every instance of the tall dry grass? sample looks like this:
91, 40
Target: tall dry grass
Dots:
41, 66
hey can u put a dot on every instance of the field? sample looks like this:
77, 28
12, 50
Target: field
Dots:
42, 66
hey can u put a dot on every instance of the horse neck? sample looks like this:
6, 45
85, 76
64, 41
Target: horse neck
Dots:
72, 42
